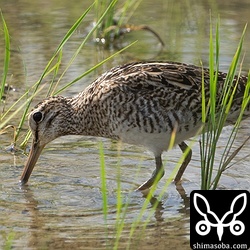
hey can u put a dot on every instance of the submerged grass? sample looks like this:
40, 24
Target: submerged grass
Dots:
9, 241
108, 29
115, 24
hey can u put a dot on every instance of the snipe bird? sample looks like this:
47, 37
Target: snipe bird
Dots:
139, 103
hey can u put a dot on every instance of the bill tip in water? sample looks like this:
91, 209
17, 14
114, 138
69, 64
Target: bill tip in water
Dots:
22, 182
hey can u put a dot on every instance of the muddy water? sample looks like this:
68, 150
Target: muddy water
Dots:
62, 207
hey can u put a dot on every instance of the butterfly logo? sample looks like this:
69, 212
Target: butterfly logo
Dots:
210, 219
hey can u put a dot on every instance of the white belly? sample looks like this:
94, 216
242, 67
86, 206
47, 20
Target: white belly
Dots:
156, 142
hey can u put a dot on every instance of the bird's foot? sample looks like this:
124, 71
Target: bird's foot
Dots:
156, 176
146, 185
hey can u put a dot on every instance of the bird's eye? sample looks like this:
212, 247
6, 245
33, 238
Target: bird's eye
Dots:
38, 116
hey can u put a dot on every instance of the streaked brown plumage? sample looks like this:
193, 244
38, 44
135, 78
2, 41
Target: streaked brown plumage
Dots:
139, 103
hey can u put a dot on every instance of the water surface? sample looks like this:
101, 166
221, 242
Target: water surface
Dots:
62, 206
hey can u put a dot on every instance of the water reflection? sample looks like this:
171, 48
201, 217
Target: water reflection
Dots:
52, 229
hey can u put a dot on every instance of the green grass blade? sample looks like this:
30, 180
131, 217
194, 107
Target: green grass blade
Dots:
19, 109
218, 112
104, 189
48, 69
62, 43
103, 182
127, 11
57, 67
93, 68
6, 57
28, 101
90, 33
211, 73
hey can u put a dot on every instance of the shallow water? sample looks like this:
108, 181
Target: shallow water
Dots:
61, 207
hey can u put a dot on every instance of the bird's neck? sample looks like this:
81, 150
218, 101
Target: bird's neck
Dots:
89, 116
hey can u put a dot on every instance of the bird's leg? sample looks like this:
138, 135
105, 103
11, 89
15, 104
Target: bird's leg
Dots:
157, 174
183, 146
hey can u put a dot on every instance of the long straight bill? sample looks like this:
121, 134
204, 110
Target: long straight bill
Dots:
34, 154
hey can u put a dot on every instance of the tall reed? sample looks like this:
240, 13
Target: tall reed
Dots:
214, 114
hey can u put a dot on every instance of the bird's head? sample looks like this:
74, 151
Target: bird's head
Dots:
47, 121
